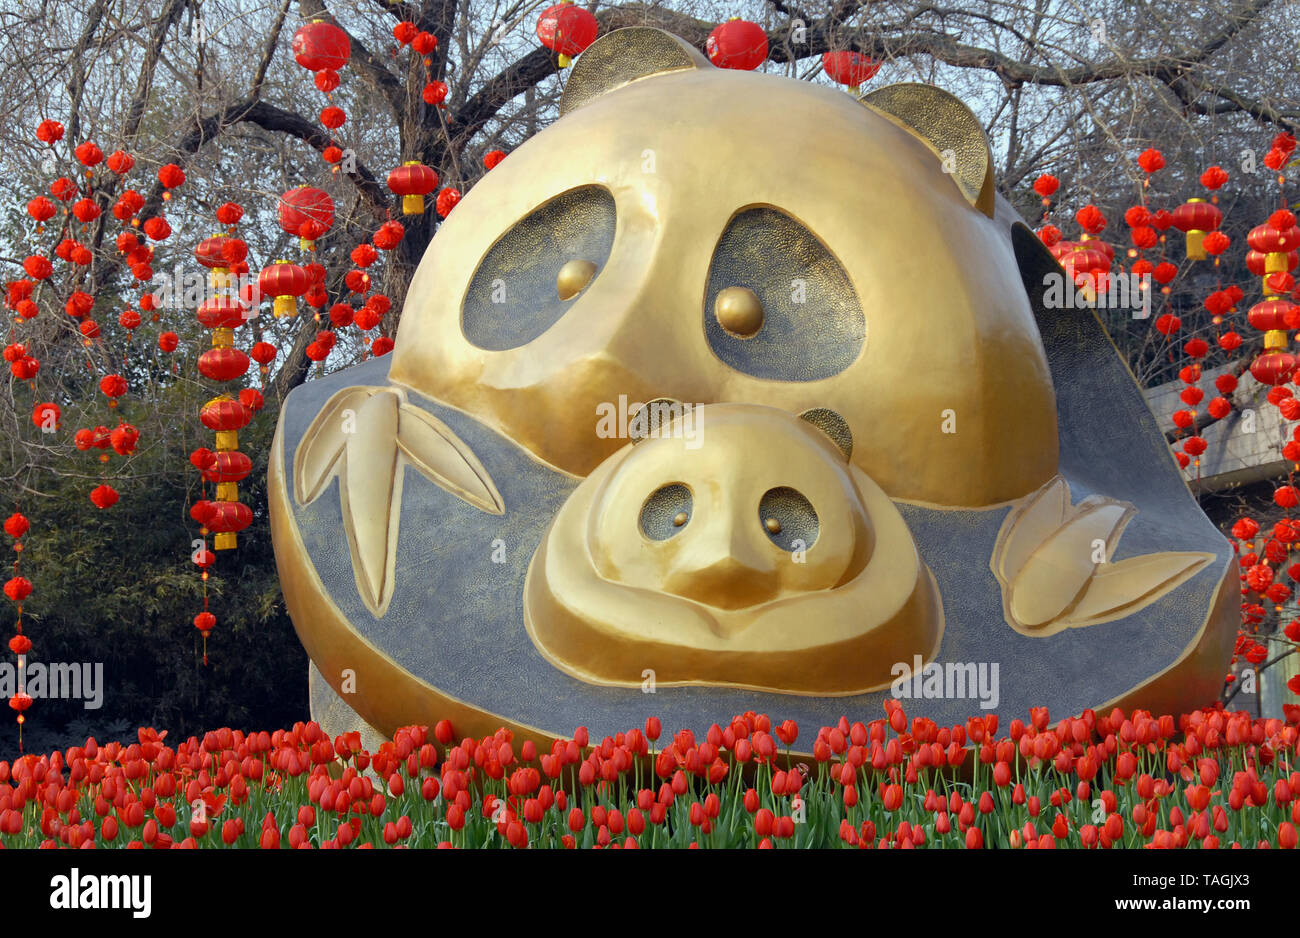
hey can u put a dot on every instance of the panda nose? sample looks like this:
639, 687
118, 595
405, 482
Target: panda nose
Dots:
728, 569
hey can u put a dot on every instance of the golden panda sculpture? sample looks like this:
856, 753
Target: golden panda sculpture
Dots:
906, 461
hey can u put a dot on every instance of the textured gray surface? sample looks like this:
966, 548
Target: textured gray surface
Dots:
662, 508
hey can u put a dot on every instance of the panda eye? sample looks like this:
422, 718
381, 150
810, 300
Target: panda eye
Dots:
788, 519
666, 512
538, 269
778, 304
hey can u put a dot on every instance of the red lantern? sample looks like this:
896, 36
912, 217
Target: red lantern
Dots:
1270, 315
358, 281
230, 213
123, 439
45, 416
1151, 160
210, 252
849, 68
223, 364
89, 154
424, 43
252, 399
387, 237
404, 32
104, 496
63, 188
41, 209
319, 45
228, 466
225, 414
327, 80
86, 210
737, 44
121, 162
1046, 184
367, 317
128, 203
567, 30
168, 342
446, 201
1273, 368
1215, 243
228, 517
171, 176
435, 93
263, 353
38, 267
412, 181
1195, 218
285, 282
223, 312
50, 132
1214, 177
199, 510
306, 204
113, 386
1270, 240
157, 228
25, 369
1091, 219
17, 589
493, 158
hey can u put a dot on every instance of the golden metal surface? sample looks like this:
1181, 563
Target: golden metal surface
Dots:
623, 56
1053, 560
722, 600
958, 415
739, 311
573, 276
950, 128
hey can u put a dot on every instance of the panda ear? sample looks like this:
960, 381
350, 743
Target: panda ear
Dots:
621, 57
834, 426
948, 127
648, 420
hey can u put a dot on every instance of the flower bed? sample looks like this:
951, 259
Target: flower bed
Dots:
1211, 778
